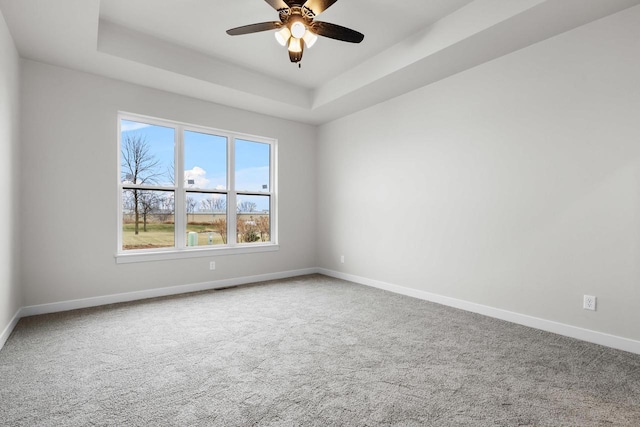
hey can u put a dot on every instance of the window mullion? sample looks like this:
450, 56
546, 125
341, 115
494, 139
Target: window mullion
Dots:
120, 189
180, 195
273, 210
232, 235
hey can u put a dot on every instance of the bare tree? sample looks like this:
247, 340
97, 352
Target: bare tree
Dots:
148, 203
191, 206
214, 205
220, 226
220, 204
165, 207
139, 166
246, 206
127, 205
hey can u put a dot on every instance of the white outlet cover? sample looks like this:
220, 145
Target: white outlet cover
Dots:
212, 265
589, 302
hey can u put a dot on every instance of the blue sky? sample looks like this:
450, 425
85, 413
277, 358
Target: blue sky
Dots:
206, 158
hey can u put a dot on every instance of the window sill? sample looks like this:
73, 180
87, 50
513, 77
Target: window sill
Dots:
171, 254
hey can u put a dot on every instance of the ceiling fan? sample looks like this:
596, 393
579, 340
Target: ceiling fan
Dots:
297, 26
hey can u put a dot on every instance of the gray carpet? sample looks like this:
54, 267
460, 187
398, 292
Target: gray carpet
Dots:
312, 351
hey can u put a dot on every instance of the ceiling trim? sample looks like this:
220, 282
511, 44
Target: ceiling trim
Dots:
476, 33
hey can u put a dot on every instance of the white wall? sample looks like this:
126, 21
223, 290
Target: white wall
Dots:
10, 293
515, 184
69, 187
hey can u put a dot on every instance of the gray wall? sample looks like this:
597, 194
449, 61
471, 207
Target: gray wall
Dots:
514, 185
10, 292
69, 187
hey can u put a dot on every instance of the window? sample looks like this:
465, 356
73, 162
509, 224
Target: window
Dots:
224, 203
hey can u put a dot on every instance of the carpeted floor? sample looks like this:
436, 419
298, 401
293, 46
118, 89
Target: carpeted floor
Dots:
311, 351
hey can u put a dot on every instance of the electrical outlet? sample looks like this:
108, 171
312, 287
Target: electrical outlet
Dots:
212, 265
589, 302
341, 259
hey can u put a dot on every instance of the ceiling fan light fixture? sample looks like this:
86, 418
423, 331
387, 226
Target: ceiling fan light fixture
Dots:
298, 29
295, 45
283, 36
309, 39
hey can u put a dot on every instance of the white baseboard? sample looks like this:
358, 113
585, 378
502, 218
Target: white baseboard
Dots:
595, 337
55, 307
7, 331
601, 338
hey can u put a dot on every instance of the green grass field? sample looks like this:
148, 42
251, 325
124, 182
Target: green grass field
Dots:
162, 236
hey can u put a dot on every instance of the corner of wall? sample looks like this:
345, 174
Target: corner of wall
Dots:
316, 201
11, 293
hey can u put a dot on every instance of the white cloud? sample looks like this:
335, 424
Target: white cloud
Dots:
199, 177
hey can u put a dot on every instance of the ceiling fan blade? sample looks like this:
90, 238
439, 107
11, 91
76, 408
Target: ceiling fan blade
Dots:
277, 4
254, 28
318, 6
336, 32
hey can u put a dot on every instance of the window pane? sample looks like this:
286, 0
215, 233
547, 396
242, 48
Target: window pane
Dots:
253, 219
147, 219
206, 219
252, 166
147, 154
205, 161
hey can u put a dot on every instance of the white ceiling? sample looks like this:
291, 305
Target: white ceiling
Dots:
200, 25
181, 46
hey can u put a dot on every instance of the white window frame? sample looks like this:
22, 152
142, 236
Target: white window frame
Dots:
181, 250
